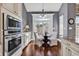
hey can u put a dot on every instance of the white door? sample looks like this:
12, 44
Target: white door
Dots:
77, 29
61, 26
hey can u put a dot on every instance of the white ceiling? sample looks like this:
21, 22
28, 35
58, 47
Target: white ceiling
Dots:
39, 6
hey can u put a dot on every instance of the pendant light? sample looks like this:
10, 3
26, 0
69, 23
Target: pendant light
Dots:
42, 15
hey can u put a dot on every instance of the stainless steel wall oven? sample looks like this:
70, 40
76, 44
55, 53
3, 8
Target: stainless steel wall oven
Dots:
11, 34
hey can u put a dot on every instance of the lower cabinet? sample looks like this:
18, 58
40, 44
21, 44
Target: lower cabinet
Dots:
75, 51
66, 51
70, 50
26, 38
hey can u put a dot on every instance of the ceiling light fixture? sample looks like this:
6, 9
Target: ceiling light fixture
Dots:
42, 15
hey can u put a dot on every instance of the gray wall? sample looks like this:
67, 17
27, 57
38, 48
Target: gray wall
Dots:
68, 10
29, 21
56, 23
24, 16
63, 11
27, 18
71, 14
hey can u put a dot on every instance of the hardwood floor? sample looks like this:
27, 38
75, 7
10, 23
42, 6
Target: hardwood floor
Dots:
34, 50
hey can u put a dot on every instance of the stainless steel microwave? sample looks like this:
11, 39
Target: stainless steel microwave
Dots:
11, 22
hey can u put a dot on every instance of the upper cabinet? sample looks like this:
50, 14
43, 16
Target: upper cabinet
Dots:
18, 8
77, 8
15, 8
8, 6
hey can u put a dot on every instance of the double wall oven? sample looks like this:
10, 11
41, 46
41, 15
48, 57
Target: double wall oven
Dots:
12, 34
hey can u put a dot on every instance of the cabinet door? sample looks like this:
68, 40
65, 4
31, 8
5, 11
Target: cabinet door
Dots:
16, 8
9, 6
0, 33
69, 52
19, 9
77, 8
65, 52
74, 52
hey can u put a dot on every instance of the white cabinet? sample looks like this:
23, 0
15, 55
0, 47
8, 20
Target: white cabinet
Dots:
12, 8
0, 50
74, 53
77, 8
26, 38
19, 10
9, 6
66, 51
1, 33
70, 49
15, 8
